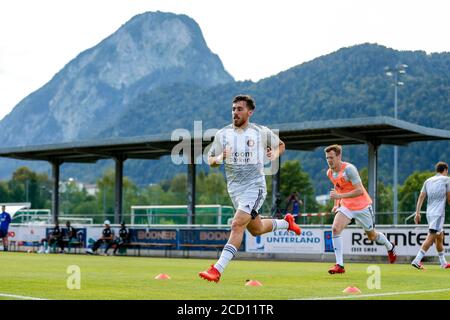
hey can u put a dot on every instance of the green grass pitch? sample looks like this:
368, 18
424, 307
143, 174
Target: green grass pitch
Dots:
121, 278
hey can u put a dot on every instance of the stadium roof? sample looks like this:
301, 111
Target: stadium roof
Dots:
376, 130
297, 136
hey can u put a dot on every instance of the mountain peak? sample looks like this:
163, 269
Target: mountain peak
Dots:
151, 50
151, 42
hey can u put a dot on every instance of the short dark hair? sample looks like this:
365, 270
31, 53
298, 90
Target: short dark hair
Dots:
441, 166
248, 99
334, 147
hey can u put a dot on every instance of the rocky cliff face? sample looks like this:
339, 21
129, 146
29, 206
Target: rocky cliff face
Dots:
92, 90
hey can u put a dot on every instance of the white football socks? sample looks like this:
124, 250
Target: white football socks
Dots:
382, 240
338, 246
279, 224
442, 259
419, 256
227, 254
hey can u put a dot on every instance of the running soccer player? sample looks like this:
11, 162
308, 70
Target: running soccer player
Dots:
351, 201
242, 146
437, 190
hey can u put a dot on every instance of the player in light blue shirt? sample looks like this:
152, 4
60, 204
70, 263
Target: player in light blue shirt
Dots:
5, 220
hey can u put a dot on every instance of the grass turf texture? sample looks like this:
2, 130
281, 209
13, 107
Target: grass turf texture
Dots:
45, 276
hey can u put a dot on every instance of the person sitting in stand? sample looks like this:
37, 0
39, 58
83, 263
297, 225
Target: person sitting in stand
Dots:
53, 239
107, 238
70, 235
124, 236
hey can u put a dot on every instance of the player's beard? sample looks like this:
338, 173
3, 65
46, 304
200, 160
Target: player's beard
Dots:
238, 122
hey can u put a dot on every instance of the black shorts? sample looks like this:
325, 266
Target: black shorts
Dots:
3, 233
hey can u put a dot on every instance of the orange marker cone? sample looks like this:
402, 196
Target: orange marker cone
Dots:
253, 283
352, 290
162, 276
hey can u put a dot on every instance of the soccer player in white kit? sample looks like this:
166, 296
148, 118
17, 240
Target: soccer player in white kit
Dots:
241, 146
437, 190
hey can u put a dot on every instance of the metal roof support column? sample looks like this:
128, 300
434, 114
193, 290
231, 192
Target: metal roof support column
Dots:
373, 173
118, 205
195, 157
55, 190
191, 190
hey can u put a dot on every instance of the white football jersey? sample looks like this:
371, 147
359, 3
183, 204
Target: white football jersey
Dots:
436, 189
245, 166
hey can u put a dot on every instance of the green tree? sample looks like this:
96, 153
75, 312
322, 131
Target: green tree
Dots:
410, 190
106, 194
154, 195
77, 201
4, 191
212, 189
26, 186
293, 178
178, 189
385, 194
87, 207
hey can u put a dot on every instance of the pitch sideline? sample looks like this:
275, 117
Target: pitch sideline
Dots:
375, 295
20, 297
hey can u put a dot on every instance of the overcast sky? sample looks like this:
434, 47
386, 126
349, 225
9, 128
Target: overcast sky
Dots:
254, 38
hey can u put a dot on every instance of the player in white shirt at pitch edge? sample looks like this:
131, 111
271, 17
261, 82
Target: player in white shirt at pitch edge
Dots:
437, 190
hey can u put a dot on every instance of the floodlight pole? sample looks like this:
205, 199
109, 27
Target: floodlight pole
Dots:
395, 154
394, 72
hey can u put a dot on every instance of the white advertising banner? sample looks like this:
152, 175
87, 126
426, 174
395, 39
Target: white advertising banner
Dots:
408, 240
93, 233
313, 240
283, 241
26, 233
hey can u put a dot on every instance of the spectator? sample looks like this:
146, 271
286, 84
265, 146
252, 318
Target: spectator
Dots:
107, 238
53, 239
70, 235
276, 210
295, 202
5, 220
124, 236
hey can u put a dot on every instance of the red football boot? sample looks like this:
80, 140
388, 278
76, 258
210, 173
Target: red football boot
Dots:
392, 254
212, 274
446, 266
292, 225
336, 269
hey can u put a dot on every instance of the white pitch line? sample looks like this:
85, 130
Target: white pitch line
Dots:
356, 296
19, 297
